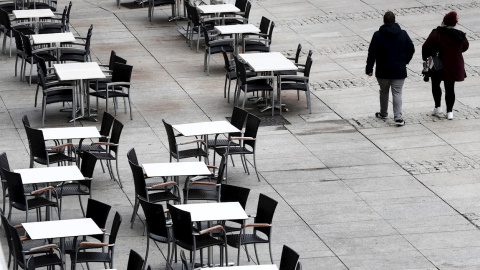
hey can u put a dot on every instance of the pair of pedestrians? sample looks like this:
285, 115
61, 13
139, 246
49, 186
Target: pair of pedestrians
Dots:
392, 49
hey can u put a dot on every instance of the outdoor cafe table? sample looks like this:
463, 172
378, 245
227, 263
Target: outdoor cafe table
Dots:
79, 72
209, 212
238, 30
217, 9
204, 129
175, 169
33, 14
269, 62
61, 229
53, 38
245, 267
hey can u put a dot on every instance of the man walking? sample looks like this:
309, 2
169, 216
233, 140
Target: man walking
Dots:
392, 49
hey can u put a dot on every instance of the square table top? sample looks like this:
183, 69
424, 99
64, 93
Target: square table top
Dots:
245, 267
33, 13
68, 133
176, 169
237, 29
78, 71
61, 228
53, 38
50, 174
214, 211
205, 128
222, 8
270, 61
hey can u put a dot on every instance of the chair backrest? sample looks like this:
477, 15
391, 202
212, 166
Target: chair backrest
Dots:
247, 10
299, 266
25, 121
117, 220
6, 226
231, 193
240, 70
27, 46
17, 246
68, 13
265, 211
194, 17
64, 19
5, 19
41, 72
121, 73
264, 24
227, 66
135, 261
88, 164
98, 212
18, 40
155, 218
87, 41
3, 164
182, 225
172, 142
206, 35
106, 126
111, 60
185, 264
289, 259
308, 67
270, 33
310, 52
37, 142
239, 116
15, 187
116, 59
251, 129
138, 180
241, 4
41, 65
132, 156
297, 54
116, 133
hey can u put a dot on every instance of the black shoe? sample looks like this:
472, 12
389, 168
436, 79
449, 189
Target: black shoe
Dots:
379, 115
399, 122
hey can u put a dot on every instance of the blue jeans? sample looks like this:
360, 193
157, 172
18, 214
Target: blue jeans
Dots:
396, 85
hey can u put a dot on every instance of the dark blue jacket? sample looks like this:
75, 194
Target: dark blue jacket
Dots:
392, 49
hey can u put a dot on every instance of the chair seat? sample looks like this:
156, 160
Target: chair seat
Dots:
221, 143
160, 197
233, 151
190, 153
233, 239
45, 55
104, 156
257, 86
26, 30
88, 148
59, 96
294, 86
73, 57
162, 239
257, 48
92, 257
199, 192
55, 158
70, 189
163, 2
102, 84
34, 203
111, 94
46, 260
202, 241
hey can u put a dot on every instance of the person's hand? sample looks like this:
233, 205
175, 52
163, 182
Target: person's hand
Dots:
370, 74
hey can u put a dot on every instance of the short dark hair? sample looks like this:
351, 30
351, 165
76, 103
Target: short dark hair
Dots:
389, 17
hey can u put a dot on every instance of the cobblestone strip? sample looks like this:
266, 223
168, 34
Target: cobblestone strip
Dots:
376, 14
442, 165
419, 118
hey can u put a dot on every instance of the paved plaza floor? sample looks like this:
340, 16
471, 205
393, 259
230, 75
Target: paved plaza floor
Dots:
354, 191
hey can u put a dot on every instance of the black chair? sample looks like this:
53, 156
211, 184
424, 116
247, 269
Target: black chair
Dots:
33, 262
50, 77
111, 151
8, 28
20, 52
262, 228
78, 54
296, 82
163, 192
155, 3
55, 27
185, 264
260, 44
98, 256
289, 259
231, 74
191, 239
299, 266
203, 190
195, 24
247, 144
132, 157
121, 77
45, 155
105, 128
135, 261
79, 188
54, 91
238, 194
178, 154
18, 199
45, 53
251, 84
213, 46
157, 228
243, 17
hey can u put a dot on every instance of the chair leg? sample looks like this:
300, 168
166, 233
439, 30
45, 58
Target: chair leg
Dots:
118, 174
130, 105
135, 208
36, 93
256, 253
270, 249
81, 205
208, 65
146, 252
224, 87
16, 65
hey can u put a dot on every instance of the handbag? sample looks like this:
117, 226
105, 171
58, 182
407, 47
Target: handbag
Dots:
437, 63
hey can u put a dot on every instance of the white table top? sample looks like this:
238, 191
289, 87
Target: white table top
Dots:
205, 128
68, 133
53, 38
176, 169
32, 13
78, 71
245, 267
214, 211
270, 61
222, 8
237, 29
50, 174
61, 228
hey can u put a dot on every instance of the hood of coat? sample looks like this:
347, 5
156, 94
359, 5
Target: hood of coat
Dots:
456, 36
390, 30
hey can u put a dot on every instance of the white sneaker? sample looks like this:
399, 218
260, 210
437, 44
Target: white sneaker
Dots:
437, 111
450, 115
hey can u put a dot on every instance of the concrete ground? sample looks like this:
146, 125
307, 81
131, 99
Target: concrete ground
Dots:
354, 192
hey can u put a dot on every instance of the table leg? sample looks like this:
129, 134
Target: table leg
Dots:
178, 17
81, 91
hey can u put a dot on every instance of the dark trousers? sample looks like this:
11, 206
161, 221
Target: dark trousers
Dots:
437, 92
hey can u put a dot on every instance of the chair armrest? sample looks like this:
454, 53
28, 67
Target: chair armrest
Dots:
24, 238
52, 89
103, 65
242, 138
202, 183
166, 211
259, 78
60, 146
118, 83
18, 226
41, 190
103, 143
212, 166
164, 184
43, 247
44, 50
189, 142
256, 225
92, 244
211, 229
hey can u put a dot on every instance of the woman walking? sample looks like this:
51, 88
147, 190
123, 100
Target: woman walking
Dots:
449, 44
